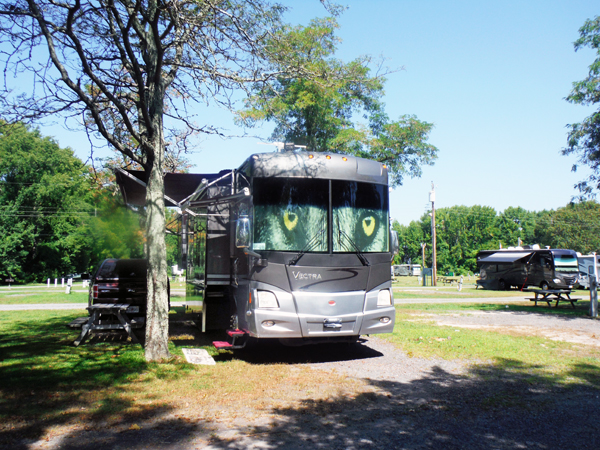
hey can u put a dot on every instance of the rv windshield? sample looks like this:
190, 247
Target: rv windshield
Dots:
566, 264
291, 214
360, 217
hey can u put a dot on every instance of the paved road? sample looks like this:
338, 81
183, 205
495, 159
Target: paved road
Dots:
58, 306
34, 306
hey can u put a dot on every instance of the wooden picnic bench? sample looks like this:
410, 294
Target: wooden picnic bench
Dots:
552, 295
117, 310
445, 280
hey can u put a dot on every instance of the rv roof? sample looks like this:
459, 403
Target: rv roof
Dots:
316, 165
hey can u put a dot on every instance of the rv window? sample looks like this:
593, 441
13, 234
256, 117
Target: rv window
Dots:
566, 263
489, 268
290, 214
360, 217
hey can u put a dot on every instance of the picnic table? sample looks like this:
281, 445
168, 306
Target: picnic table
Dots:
117, 310
445, 280
551, 295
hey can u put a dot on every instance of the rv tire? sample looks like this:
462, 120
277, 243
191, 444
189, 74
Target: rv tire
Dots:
544, 285
502, 285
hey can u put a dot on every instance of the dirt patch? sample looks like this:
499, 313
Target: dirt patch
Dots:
577, 330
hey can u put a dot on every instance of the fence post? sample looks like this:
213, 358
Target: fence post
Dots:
593, 277
593, 296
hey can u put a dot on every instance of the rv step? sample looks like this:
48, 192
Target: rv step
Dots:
221, 344
235, 333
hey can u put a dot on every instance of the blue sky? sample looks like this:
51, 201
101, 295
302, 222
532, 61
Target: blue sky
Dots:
491, 77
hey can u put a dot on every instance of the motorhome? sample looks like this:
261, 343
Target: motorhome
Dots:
405, 270
401, 270
522, 267
415, 270
292, 245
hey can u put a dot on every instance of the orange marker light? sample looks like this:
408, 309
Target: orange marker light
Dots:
328, 157
344, 159
310, 156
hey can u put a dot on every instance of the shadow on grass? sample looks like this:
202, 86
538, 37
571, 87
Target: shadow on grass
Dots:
563, 312
47, 383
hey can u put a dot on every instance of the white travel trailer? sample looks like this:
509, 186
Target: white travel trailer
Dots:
586, 267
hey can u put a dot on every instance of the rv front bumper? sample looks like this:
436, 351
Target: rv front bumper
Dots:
275, 324
281, 325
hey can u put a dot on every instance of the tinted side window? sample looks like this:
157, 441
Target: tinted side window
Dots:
123, 268
107, 268
131, 268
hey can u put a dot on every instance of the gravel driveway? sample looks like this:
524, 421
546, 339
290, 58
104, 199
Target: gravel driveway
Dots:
413, 403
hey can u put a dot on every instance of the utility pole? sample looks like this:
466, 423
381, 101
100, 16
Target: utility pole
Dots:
593, 277
423, 244
433, 237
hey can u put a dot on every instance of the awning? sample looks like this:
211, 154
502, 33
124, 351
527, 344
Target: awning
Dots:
504, 257
178, 186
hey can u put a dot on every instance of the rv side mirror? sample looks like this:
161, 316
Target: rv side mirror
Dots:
394, 242
242, 233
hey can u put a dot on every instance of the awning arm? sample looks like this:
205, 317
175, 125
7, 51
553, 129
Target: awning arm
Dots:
227, 199
205, 185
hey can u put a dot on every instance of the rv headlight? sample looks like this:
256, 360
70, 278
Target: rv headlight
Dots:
384, 298
557, 280
266, 299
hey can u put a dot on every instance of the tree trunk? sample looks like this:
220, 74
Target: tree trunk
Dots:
157, 319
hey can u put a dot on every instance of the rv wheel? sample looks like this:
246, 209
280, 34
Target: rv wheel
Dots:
502, 285
544, 285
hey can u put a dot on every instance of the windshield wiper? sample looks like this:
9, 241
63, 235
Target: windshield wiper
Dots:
315, 240
359, 254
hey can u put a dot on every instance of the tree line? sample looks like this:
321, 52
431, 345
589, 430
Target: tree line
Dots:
57, 215
462, 231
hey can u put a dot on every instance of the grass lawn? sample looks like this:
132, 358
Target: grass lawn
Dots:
555, 361
448, 292
48, 384
408, 287
41, 294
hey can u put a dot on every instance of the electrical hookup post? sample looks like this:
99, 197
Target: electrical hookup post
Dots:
593, 277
